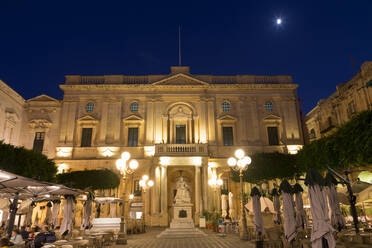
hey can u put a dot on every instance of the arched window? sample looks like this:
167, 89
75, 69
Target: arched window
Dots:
89, 107
226, 106
134, 107
269, 106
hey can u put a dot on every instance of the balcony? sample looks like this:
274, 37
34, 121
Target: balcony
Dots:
181, 149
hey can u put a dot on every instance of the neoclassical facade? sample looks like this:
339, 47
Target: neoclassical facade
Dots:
349, 98
174, 125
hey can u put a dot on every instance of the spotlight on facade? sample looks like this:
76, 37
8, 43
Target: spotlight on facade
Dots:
293, 149
61, 168
197, 161
164, 160
131, 196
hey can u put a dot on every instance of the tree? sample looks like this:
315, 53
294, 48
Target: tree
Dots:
349, 146
27, 163
268, 166
90, 179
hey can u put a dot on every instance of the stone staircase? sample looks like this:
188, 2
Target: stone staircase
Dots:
176, 233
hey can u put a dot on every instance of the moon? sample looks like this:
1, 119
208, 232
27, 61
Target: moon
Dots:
278, 21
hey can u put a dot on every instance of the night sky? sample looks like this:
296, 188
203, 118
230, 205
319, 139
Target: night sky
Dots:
41, 41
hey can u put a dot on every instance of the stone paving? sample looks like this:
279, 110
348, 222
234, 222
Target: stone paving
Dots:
210, 241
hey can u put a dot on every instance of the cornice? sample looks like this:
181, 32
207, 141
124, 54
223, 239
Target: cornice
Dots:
109, 87
11, 93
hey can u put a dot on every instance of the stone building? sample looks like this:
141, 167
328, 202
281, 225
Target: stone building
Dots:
350, 98
173, 125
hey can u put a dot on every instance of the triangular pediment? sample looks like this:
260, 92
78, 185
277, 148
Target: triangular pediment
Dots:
272, 118
133, 118
180, 79
226, 118
87, 118
42, 98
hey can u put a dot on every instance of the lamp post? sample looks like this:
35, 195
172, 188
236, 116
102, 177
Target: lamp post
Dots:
121, 165
145, 183
240, 163
215, 183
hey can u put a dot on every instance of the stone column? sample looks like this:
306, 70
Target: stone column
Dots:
164, 196
156, 191
197, 194
205, 186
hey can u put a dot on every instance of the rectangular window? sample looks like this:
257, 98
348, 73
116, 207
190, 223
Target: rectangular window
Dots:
86, 137
272, 133
137, 188
39, 142
133, 136
228, 137
180, 134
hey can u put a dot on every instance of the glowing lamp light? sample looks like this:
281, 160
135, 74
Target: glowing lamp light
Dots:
142, 183
150, 183
239, 154
247, 160
219, 182
241, 163
231, 162
125, 156
133, 164
47, 196
145, 177
131, 196
120, 164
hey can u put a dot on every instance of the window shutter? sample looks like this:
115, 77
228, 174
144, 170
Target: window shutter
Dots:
273, 136
132, 136
228, 137
86, 137
39, 142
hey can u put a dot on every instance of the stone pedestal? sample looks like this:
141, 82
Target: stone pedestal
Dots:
182, 216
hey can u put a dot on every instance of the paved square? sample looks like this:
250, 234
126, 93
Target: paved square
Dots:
210, 241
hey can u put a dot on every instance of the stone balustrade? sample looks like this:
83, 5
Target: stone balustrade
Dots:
178, 149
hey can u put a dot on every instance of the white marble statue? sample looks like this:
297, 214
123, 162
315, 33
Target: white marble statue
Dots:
183, 192
231, 206
224, 205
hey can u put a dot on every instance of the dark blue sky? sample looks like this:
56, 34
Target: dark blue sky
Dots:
41, 41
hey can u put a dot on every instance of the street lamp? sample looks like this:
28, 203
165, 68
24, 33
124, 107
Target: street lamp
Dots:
145, 183
121, 165
215, 183
240, 163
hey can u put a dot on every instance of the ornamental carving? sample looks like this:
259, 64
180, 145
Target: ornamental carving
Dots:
39, 124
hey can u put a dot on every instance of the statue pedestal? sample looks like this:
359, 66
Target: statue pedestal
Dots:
182, 216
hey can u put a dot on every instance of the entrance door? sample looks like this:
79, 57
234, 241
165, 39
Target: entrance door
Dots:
180, 134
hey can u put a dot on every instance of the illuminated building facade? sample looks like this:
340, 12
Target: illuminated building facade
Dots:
174, 124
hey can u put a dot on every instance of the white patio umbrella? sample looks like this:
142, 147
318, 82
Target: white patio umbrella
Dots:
231, 206
48, 216
28, 220
68, 212
257, 218
36, 222
55, 212
19, 187
276, 203
290, 230
88, 205
265, 203
321, 230
337, 220
300, 212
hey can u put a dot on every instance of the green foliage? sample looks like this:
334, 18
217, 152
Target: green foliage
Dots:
90, 179
313, 177
350, 145
27, 163
268, 166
